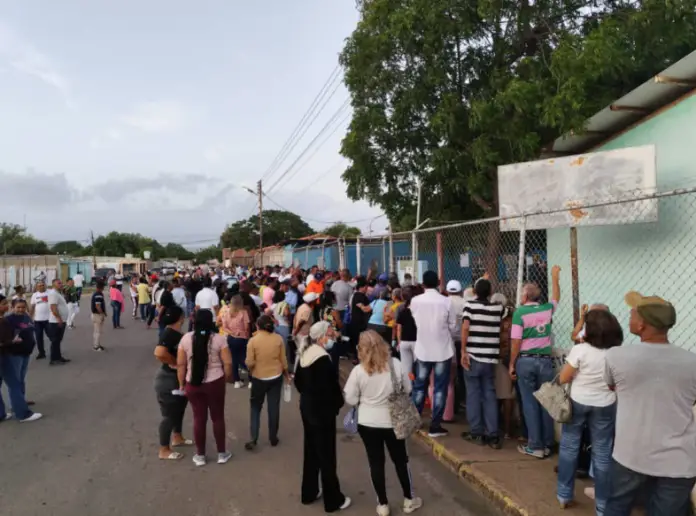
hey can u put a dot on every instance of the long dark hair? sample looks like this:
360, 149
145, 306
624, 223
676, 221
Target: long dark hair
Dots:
602, 330
203, 328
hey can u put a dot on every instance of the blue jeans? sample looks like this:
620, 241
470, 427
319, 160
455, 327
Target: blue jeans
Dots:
13, 369
442, 374
532, 372
116, 313
144, 311
665, 496
284, 331
600, 421
39, 328
238, 349
481, 400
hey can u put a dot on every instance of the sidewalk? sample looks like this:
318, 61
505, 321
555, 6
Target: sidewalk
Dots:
520, 485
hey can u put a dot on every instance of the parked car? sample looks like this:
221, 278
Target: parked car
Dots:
102, 274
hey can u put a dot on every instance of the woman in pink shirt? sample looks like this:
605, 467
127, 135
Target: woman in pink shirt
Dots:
236, 324
204, 362
117, 305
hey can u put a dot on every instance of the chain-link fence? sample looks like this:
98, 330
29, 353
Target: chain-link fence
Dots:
605, 249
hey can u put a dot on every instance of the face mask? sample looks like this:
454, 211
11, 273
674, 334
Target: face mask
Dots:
329, 344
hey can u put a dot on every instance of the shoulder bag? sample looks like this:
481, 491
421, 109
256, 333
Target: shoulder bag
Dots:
404, 415
555, 399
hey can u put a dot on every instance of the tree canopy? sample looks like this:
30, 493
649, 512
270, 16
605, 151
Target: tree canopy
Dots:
69, 247
15, 240
445, 91
278, 225
339, 229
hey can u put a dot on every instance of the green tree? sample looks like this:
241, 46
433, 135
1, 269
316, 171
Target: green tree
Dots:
69, 247
208, 253
120, 244
445, 91
15, 240
177, 251
339, 229
278, 225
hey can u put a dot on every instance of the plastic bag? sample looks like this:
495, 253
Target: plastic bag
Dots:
287, 393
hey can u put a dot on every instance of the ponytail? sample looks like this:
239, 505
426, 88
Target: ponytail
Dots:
203, 329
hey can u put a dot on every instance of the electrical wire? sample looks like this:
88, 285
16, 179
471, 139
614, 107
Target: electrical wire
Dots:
322, 221
304, 124
318, 148
310, 144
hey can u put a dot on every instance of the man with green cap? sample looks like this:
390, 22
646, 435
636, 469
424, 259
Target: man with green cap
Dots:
655, 382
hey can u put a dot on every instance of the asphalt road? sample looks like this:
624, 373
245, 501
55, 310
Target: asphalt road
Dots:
95, 451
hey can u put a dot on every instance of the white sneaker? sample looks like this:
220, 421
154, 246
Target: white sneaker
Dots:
383, 510
35, 416
7, 417
199, 460
346, 504
412, 505
237, 385
224, 457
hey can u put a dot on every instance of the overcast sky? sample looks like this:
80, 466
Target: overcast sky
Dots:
148, 115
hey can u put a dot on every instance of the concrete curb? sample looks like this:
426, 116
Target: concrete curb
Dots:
489, 487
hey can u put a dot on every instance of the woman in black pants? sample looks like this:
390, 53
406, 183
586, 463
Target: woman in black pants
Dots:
369, 386
320, 401
171, 405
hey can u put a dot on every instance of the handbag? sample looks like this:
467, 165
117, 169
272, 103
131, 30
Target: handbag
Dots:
350, 421
404, 415
555, 399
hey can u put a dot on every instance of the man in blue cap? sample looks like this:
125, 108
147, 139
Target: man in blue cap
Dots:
381, 286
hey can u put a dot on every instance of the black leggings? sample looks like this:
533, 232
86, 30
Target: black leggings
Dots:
374, 440
172, 406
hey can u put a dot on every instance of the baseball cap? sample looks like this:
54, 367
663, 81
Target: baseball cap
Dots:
654, 310
453, 286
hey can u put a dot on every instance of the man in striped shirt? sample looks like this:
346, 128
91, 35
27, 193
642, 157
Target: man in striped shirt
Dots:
480, 355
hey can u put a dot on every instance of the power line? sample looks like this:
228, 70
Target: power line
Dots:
321, 221
318, 148
295, 136
310, 144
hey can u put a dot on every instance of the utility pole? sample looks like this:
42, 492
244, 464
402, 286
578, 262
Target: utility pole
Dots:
94, 253
260, 192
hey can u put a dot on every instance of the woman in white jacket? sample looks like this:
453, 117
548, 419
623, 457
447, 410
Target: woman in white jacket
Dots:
368, 387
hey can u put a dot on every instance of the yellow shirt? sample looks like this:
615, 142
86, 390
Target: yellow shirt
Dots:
143, 293
393, 308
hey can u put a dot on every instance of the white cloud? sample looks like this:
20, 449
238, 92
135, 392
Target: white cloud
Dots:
159, 116
21, 56
111, 135
213, 154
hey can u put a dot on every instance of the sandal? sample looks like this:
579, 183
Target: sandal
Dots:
173, 456
185, 442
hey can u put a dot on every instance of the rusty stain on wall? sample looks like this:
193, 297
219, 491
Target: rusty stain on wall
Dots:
577, 162
575, 211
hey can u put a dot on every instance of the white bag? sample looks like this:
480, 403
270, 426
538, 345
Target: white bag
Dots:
287, 393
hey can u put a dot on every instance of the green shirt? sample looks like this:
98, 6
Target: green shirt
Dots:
532, 323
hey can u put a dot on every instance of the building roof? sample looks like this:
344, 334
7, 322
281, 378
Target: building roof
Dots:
644, 101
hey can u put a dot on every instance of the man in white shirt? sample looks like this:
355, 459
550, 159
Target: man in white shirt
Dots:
435, 319
207, 298
39, 310
79, 280
56, 322
179, 295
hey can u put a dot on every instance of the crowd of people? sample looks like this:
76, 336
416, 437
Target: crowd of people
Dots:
269, 328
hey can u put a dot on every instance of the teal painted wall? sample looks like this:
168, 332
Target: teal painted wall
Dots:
653, 258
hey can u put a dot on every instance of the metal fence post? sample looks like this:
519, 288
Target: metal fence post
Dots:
384, 255
357, 254
521, 261
414, 253
440, 260
391, 250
